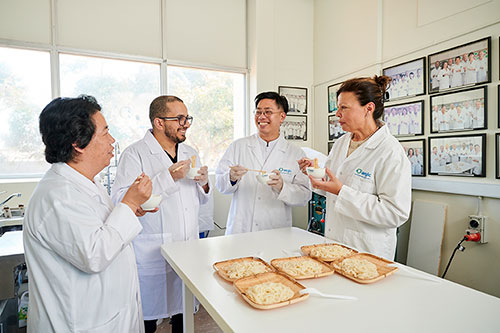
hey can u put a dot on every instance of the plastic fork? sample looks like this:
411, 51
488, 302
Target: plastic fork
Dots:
314, 291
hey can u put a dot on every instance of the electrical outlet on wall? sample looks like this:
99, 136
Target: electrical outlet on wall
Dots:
477, 224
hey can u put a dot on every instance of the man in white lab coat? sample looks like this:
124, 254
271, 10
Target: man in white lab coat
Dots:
163, 156
82, 271
256, 206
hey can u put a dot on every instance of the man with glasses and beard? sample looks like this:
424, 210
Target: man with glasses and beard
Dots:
263, 205
163, 156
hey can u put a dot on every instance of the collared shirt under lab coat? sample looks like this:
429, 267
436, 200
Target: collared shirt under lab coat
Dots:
375, 197
82, 270
256, 206
176, 220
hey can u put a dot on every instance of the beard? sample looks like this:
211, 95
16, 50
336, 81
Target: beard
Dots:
174, 136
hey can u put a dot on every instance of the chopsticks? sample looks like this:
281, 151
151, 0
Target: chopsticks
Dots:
261, 171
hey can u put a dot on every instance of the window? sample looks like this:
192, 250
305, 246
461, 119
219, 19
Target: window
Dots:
25, 89
124, 89
216, 101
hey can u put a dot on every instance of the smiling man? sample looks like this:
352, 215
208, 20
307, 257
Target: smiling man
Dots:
263, 205
163, 155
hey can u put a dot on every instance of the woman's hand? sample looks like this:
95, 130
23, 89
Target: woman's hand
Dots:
332, 185
304, 163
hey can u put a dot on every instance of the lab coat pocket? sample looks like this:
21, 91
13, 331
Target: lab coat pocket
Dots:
364, 185
113, 325
148, 253
368, 241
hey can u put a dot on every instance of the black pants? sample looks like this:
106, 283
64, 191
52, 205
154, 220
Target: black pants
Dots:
150, 326
175, 321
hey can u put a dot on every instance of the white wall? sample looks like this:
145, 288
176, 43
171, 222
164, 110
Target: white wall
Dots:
365, 37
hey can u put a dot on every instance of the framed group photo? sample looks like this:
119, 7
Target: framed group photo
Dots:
460, 66
332, 98
330, 145
463, 155
405, 119
497, 155
335, 131
408, 79
415, 151
297, 99
295, 128
464, 110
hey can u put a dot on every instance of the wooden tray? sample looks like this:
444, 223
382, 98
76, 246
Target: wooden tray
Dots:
306, 249
326, 269
381, 263
243, 284
221, 266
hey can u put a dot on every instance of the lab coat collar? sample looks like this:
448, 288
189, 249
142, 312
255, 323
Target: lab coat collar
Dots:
253, 144
155, 148
377, 137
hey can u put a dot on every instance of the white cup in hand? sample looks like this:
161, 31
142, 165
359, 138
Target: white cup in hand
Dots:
193, 172
263, 178
316, 172
153, 202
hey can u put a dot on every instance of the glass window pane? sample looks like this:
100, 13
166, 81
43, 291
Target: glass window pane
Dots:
216, 100
124, 89
24, 91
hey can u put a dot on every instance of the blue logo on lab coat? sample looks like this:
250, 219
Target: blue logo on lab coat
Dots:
363, 174
285, 171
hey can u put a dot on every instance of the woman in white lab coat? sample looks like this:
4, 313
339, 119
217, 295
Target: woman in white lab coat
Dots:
82, 271
369, 176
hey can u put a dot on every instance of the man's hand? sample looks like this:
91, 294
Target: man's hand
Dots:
141, 212
275, 181
237, 172
332, 185
138, 192
202, 177
179, 170
304, 163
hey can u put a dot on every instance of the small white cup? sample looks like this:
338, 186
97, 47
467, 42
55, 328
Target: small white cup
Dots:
316, 172
263, 178
193, 172
153, 202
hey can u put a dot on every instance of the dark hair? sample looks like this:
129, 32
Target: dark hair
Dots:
159, 106
366, 90
64, 122
281, 101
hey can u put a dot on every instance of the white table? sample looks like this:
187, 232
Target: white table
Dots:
394, 304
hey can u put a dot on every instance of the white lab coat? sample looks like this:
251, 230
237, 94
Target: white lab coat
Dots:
82, 270
376, 195
256, 206
176, 220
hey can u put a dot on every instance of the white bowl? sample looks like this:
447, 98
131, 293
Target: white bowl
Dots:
153, 202
263, 178
193, 172
316, 172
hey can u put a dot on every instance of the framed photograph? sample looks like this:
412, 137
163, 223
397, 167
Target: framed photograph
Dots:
498, 104
460, 66
332, 98
415, 151
334, 129
408, 79
297, 99
295, 128
497, 155
465, 110
405, 119
463, 155
330, 145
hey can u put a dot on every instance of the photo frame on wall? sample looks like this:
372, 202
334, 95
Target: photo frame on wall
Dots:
464, 110
408, 79
497, 155
295, 128
405, 119
335, 131
498, 105
297, 99
330, 145
415, 151
464, 65
461, 155
332, 98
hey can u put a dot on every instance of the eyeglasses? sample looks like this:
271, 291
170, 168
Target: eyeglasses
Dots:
266, 112
181, 119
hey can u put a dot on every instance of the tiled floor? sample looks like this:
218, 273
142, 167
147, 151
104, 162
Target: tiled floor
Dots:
202, 323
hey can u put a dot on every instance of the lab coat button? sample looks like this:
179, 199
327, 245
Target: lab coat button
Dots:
258, 198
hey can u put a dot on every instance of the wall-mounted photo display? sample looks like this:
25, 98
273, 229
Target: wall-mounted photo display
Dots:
295, 128
498, 104
335, 131
497, 155
463, 155
463, 110
408, 79
332, 98
405, 119
330, 145
415, 151
463, 65
297, 99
